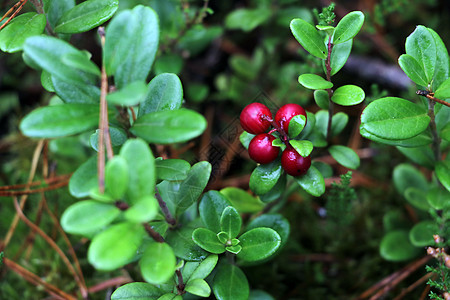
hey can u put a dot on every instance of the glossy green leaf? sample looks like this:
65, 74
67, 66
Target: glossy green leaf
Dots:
183, 246
314, 82
144, 210
60, 120
172, 169
223, 237
417, 198
328, 29
230, 283
165, 92
421, 45
118, 137
131, 43
422, 139
394, 118
405, 176
71, 92
348, 27
260, 295
199, 269
348, 95
246, 138
413, 69
158, 263
443, 173
296, 125
100, 196
170, 126
258, 244
445, 132
441, 71
207, 240
87, 217
129, 95
116, 177
13, 36
438, 198
170, 296
421, 234
339, 121
276, 192
304, 147
86, 15
247, 19
339, 56
54, 9
264, 177
211, 207
309, 38
116, 246
234, 249
84, 178
345, 156
443, 92
312, 182
230, 222
322, 99
46, 81
396, 246
136, 291
241, 200
198, 287
420, 155
275, 221
80, 60
141, 163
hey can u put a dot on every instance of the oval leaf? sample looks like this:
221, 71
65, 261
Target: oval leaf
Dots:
136, 291
413, 69
258, 244
443, 173
183, 246
130, 95
275, 221
116, 177
339, 56
172, 169
230, 222
198, 287
443, 92
241, 200
348, 95
211, 207
421, 234
309, 38
208, 241
304, 147
421, 45
199, 269
345, 156
230, 283
143, 210
158, 263
396, 246
322, 99
442, 61
264, 177
348, 27
438, 198
84, 179
405, 176
314, 82
312, 182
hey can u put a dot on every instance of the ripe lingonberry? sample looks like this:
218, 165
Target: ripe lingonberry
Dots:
261, 150
252, 118
286, 113
293, 163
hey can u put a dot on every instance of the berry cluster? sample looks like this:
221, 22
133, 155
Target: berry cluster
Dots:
256, 118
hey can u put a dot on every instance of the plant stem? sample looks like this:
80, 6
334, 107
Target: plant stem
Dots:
436, 145
181, 285
330, 90
40, 10
169, 218
153, 234
283, 135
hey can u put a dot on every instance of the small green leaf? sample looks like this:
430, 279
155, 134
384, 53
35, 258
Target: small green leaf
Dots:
223, 237
13, 36
339, 56
443, 173
328, 29
314, 82
247, 19
417, 198
208, 240
246, 138
172, 169
260, 295
80, 60
420, 155
394, 118
136, 291
143, 210
413, 69
345, 156
183, 246
116, 177
445, 132
312, 182
275, 221
170, 296
170, 126
296, 125
443, 92
438, 198
348, 95
304, 147
442, 61
129, 95
54, 9
241, 200
71, 92
211, 207
116, 246
230, 283
421, 234
158, 263
258, 244
198, 287
422, 139
118, 137
421, 45
396, 246
405, 176
322, 99
348, 27
84, 179
309, 38
339, 121
199, 269
264, 177
88, 217
60, 120
234, 249
230, 222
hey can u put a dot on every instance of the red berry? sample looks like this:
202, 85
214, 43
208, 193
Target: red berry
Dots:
261, 150
252, 118
293, 163
286, 113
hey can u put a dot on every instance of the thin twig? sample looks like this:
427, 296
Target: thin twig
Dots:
40, 9
330, 90
413, 286
110, 283
153, 234
430, 96
21, 3
35, 191
162, 204
181, 285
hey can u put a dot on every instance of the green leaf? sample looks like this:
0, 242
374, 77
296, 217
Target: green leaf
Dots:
71, 92
118, 137
208, 241
443, 92
394, 118
60, 120
183, 246
116, 177
260, 295
234, 249
143, 210
421, 234
348, 27
246, 138
422, 139
84, 179
80, 60
405, 176
172, 169
54, 9
396, 246
420, 155
247, 19
441, 71
136, 291
13, 36
417, 198
86, 15
275, 221
223, 237
158, 263
339, 56
198, 287
258, 244
170, 296
314, 82
130, 95
230, 222
116, 246
169, 63
339, 121
199, 269
421, 45
438, 198
165, 92
309, 38
322, 99
88, 217
46, 81
276, 192
241, 200
230, 283
348, 95
131, 43
211, 207
445, 132
413, 69
304, 147
345, 156
296, 125
170, 126
264, 177
443, 173
312, 182
141, 163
